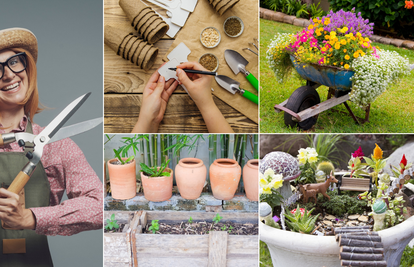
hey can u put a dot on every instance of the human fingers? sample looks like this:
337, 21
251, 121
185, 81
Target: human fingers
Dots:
182, 77
169, 83
192, 66
171, 88
154, 77
160, 86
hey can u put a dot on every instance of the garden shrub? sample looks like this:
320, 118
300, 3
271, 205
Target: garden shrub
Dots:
387, 13
341, 204
294, 8
407, 258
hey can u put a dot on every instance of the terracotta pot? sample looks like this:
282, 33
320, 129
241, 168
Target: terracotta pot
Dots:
224, 177
123, 179
190, 175
157, 189
251, 179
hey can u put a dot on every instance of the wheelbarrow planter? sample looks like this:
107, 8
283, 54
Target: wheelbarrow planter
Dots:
304, 105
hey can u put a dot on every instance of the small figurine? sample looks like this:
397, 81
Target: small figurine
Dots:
307, 193
322, 187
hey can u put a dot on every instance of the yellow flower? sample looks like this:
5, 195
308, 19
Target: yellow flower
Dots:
358, 34
362, 54
318, 33
323, 49
337, 46
334, 63
267, 190
333, 33
366, 39
343, 42
315, 20
344, 50
327, 21
327, 37
310, 27
377, 152
346, 66
330, 49
347, 57
356, 55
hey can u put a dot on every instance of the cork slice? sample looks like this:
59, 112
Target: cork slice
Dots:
221, 4
137, 52
140, 16
132, 7
215, 2
133, 49
129, 46
228, 6
142, 55
114, 36
158, 32
153, 26
124, 45
150, 58
143, 21
147, 24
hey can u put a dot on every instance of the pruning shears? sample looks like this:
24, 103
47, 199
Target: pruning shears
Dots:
52, 133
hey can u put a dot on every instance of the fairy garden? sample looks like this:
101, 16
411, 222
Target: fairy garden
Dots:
310, 185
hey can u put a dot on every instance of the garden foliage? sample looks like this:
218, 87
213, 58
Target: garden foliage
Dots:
293, 7
387, 13
341, 204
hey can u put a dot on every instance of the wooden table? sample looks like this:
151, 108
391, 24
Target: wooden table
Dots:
124, 83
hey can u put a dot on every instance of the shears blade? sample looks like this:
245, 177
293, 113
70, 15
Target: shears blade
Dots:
75, 129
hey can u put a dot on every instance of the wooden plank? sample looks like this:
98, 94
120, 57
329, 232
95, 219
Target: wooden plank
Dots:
120, 216
312, 111
182, 115
217, 249
174, 216
171, 262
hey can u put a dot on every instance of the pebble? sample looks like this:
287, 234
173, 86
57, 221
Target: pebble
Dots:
352, 223
330, 217
327, 222
363, 218
353, 217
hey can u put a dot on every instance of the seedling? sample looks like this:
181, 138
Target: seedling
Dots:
218, 218
224, 228
111, 223
155, 171
230, 228
190, 220
154, 226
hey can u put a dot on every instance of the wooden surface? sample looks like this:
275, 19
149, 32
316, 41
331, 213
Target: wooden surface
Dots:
124, 83
217, 249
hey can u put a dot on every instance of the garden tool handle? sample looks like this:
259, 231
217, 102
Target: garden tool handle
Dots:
253, 81
7, 138
252, 97
19, 182
22, 178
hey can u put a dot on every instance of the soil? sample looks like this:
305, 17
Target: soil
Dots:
203, 228
119, 230
208, 61
117, 162
232, 26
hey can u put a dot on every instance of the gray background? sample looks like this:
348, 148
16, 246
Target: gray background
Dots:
70, 64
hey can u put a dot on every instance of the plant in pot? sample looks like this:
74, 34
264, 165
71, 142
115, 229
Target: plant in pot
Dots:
157, 182
122, 176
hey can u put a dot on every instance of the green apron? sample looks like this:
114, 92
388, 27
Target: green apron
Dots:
36, 192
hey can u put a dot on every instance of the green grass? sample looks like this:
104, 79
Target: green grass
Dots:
392, 112
265, 259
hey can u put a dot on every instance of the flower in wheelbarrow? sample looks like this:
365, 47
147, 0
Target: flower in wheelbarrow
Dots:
377, 152
409, 4
346, 66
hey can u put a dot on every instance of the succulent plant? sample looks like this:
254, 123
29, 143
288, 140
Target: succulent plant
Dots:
299, 223
379, 206
326, 166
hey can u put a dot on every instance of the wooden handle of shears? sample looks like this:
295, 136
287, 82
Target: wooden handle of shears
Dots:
19, 182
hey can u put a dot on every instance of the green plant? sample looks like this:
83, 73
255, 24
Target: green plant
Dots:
299, 223
190, 220
218, 218
315, 11
328, 146
155, 171
230, 228
269, 183
111, 223
396, 140
118, 156
341, 204
224, 228
326, 166
129, 143
154, 226
407, 259
296, 8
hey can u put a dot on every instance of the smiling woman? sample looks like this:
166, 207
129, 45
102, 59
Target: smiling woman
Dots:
27, 216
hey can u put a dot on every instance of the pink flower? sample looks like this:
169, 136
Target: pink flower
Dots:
302, 211
304, 38
358, 153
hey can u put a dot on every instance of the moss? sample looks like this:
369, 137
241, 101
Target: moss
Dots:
341, 204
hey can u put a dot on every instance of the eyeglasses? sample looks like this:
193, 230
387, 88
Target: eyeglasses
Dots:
16, 63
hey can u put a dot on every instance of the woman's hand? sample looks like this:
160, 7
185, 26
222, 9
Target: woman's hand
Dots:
198, 85
199, 88
154, 102
13, 214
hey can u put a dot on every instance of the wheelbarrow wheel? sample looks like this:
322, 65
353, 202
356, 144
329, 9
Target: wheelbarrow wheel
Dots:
302, 98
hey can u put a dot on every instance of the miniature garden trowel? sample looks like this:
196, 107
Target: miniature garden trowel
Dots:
237, 63
234, 86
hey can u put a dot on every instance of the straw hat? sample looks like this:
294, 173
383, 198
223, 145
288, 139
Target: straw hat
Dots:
19, 37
